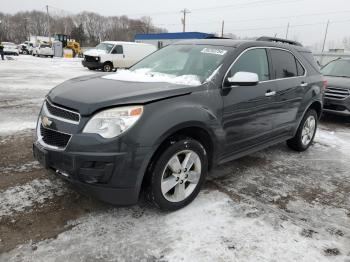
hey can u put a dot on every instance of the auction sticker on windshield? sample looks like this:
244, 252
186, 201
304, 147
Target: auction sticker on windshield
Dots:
214, 51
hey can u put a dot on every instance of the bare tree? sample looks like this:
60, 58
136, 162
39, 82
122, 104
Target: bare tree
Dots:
16, 28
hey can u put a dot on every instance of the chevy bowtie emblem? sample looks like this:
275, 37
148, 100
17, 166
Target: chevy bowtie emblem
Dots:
46, 122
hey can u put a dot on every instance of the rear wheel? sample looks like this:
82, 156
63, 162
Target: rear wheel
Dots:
107, 67
25, 52
177, 175
306, 132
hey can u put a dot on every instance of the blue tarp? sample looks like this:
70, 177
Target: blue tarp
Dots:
185, 35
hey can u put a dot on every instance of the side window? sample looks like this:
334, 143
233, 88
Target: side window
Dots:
253, 61
300, 68
118, 49
283, 63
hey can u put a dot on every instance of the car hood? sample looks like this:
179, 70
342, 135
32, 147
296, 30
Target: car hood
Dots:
343, 82
88, 94
95, 52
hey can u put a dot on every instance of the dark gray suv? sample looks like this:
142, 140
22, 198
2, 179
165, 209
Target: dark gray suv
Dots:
176, 114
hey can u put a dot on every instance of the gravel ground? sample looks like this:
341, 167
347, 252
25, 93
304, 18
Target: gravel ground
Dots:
274, 205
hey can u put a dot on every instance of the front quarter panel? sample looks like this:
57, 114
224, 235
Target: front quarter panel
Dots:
163, 118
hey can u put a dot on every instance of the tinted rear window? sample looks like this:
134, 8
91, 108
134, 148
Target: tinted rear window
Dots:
311, 60
283, 63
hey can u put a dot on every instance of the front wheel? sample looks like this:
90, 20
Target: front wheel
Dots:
177, 174
107, 67
305, 133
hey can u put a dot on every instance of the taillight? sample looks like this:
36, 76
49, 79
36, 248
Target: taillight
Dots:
325, 84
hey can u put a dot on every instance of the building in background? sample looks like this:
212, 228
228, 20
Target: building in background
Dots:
164, 39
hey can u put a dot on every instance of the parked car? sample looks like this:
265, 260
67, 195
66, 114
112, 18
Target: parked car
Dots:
26, 48
43, 50
176, 114
10, 48
337, 95
110, 55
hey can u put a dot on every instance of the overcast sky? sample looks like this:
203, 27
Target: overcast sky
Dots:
307, 18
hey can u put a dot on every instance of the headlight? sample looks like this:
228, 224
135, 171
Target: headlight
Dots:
112, 122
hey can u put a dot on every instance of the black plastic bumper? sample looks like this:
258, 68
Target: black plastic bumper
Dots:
337, 106
91, 64
91, 173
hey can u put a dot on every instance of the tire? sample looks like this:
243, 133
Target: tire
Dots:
306, 132
169, 190
24, 52
107, 67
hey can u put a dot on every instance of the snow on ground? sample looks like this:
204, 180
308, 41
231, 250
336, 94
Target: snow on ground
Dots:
24, 82
23, 197
213, 228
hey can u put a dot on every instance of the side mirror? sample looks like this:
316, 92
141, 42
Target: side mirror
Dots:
242, 79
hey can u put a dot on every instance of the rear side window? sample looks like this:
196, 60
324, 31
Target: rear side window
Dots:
118, 49
311, 60
283, 63
300, 68
253, 61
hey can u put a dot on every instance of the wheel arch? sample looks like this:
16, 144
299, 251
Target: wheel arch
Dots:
195, 131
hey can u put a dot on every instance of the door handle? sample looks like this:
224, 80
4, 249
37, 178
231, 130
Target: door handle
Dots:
270, 93
303, 84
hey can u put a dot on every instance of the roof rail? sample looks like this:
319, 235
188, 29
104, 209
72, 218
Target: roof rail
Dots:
278, 40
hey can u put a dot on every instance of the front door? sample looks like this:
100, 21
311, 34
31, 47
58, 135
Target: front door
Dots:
249, 110
117, 56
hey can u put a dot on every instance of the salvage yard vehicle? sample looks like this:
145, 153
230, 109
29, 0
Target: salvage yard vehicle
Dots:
162, 124
43, 50
337, 94
111, 54
10, 48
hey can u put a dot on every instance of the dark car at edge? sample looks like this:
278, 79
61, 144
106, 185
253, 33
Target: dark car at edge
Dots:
160, 126
337, 94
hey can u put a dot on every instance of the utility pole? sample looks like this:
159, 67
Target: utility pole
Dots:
48, 22
324, 41
185, 12
222, 28
287, 31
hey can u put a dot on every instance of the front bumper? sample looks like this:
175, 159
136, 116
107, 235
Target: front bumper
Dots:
337, 106
92, 64
114, 178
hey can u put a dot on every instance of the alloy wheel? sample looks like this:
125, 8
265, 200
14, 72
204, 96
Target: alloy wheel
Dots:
181, 175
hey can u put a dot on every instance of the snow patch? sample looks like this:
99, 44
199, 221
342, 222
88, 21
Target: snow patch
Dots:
19, 198
14, 126
145, 75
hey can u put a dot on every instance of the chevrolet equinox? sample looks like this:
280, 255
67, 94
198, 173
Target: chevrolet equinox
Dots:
162, 124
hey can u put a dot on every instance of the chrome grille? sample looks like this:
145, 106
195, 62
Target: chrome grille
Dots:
54, 138
337, 93
62, 113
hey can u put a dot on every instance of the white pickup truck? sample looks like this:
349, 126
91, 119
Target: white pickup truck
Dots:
110, 55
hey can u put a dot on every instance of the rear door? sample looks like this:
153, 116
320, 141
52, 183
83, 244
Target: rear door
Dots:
249, 110
290, 77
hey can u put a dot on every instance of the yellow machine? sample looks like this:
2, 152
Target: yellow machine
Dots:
69, 43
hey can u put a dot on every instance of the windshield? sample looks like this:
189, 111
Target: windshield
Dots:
198, 61
339, 68
104, 46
